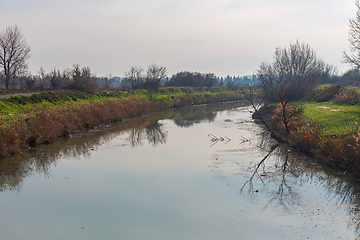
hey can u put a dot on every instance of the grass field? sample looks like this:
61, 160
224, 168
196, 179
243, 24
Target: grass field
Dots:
333, 118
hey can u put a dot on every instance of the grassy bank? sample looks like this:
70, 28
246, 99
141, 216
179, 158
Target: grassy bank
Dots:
18, 104
334, 118
27, 121
327, 130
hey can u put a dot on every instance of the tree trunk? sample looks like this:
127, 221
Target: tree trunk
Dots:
7, 82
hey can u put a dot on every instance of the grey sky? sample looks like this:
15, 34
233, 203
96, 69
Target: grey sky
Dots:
220, 36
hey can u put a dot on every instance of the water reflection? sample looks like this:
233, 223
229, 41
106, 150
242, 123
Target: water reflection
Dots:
285, 194
281, 174
154, 133
14, 169
196, 118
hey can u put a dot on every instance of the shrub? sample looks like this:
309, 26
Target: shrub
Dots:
83, 80
306, 138
287, 118
347, 95
324, 94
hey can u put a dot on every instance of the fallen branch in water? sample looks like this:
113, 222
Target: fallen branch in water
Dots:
215, 139
244, 140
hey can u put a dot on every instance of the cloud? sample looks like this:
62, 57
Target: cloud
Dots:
111, 35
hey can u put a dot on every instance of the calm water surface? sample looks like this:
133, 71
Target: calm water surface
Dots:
185, 174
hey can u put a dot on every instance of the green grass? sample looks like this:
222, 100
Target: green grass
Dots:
27, 103
332, 122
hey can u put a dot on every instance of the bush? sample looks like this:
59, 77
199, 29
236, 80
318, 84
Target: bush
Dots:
324, 94
83, 80
287, 119
306, 138
347, 95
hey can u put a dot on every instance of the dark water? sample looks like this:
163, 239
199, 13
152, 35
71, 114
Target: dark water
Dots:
184, 174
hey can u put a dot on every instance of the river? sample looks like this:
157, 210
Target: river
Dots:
191, 173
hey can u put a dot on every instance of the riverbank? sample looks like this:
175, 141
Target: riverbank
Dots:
145, 128
327, 131
153, 162
36, 120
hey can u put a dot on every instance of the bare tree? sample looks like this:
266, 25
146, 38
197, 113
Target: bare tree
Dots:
83, 79
154, 75
14, 53
43, 80
329, 74
354, 39
60, 80
134, 77
107, 82
293, 73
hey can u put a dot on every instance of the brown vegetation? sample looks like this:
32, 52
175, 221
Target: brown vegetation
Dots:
347, 95
342, 152
44, 126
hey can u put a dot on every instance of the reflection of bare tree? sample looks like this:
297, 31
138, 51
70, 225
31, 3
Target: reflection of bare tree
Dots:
343, 191
278, 181
264, 141
12, 181
197, 118
284, 195
250, 183
14, 169
135, 137
289, 172
153, 132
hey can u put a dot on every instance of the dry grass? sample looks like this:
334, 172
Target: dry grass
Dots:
341, 151
306, 137
344, 151
287, 117
44, 126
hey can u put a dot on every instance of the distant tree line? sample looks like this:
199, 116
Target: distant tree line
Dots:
82, 79
15, 52
76, 78
237, 81
192, 79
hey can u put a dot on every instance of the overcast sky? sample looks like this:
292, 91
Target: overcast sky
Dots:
220, 36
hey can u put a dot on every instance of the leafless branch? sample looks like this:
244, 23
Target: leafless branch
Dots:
14, 53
